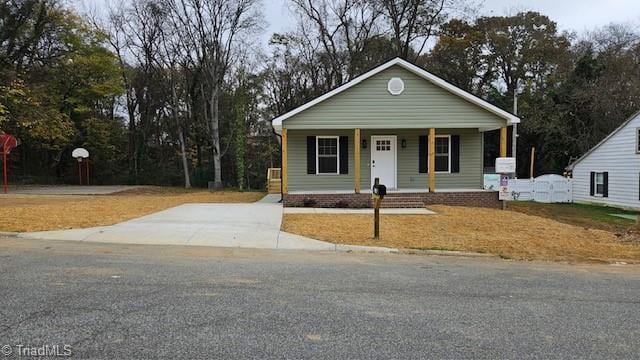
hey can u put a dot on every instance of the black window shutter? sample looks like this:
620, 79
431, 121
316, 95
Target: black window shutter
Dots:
592, 190
344, 154
311, 154
455, 153
422, 154
605, 188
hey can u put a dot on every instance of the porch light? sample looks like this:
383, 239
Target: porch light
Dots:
364, 143
404, 143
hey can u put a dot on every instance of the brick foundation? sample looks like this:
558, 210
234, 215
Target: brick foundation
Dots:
328, 200
467, 198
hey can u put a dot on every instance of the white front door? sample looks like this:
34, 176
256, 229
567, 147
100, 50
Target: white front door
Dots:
383, 160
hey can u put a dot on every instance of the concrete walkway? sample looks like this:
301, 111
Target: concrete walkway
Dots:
255, 225
407, 211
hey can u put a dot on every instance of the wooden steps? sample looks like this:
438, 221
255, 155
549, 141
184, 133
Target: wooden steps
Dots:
274, 180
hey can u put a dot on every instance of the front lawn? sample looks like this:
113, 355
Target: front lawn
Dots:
54, 212
510, 234
589, 216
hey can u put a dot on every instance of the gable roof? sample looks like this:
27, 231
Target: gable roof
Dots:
510, 118
617, 130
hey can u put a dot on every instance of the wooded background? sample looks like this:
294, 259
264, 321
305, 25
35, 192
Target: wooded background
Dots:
181, 92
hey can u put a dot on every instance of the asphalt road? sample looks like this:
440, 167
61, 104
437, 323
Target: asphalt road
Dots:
128, 301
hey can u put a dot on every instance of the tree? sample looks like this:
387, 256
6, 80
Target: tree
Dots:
210, 31
458, 57
56, 79
413, 23
339, 31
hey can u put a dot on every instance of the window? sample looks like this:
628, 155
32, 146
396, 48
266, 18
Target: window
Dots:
600, 184
383, 145
327, 160
443, 146
638, 140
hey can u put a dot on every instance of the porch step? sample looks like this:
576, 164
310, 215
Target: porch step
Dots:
397, 201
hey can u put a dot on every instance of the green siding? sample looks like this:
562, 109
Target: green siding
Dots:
369, 105
299, 180
469, 177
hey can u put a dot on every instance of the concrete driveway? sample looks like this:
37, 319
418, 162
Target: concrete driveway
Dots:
255, 225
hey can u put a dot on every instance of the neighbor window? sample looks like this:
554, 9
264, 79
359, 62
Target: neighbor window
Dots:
443, 146
599, 183
327, 159
638, 140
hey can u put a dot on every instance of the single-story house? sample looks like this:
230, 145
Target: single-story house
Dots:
609, 173
421, 136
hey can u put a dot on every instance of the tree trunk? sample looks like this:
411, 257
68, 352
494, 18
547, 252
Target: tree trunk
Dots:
240, 141
132, 149
215, 137
183, 153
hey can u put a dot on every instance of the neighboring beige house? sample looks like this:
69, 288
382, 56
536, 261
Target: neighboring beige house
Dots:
395, 122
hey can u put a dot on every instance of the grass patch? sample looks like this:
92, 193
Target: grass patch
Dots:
589, 216
52, 212
508, 234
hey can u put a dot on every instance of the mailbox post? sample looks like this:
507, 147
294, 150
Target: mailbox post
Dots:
377, 194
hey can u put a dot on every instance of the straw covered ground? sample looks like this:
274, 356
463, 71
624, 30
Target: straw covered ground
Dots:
52, 212
509, 234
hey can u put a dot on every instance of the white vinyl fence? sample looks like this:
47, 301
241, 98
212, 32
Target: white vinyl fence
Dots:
544, 189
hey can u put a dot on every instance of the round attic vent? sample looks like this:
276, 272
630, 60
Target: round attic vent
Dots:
395, 86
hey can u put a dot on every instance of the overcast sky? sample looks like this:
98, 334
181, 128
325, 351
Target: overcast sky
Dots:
575, 15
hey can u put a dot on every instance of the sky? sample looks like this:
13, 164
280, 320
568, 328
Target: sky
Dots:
571, 15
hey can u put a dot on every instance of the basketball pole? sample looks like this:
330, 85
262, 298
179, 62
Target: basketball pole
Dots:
87, 173
80, 172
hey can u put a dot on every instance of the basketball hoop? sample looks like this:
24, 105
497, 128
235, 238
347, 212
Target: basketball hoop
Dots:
80, 154
7, 143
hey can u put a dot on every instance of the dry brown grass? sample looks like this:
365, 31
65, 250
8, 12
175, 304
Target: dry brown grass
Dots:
508, 234
41, 212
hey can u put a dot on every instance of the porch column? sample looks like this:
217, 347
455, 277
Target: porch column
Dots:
432, 159
356, 160
503, 142
285, 175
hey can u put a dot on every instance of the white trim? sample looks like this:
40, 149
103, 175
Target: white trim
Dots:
395, 161
511, 119
337, 154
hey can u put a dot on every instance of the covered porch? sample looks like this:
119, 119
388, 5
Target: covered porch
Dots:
345, 161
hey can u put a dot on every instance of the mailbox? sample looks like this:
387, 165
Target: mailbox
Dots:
379, 190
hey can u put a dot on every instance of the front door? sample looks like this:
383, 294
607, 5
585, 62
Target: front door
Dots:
383, 160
